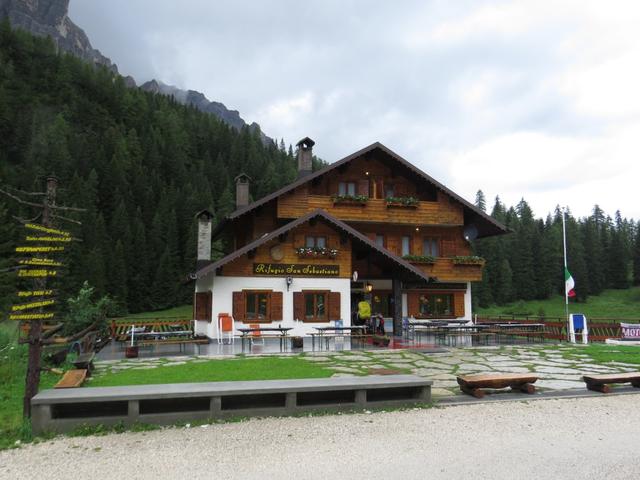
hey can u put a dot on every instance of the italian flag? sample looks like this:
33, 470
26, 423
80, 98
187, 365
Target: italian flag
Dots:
569, 283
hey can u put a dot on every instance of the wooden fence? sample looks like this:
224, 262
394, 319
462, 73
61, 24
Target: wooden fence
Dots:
555, 328
119, 326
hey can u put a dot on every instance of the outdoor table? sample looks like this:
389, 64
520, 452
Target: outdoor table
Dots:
508, 328
441, 331
322, 330
282, 330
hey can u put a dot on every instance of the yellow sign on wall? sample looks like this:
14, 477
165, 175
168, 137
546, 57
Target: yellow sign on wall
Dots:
303, 269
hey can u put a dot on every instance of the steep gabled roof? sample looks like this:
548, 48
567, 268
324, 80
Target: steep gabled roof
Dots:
322, 214
492, 226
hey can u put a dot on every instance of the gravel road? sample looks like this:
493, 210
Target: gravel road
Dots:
545, 439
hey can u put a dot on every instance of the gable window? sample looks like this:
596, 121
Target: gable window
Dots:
316, 242
406, 245
434, 305
257, 305
430, 246
315, 306
389, 191
380, 240
347, 188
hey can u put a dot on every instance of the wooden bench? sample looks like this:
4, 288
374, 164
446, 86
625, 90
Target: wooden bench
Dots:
181, 342
600, 383
72, 379
471, 384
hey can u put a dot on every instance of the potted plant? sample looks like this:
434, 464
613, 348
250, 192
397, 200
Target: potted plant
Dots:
314, 252
468, 260
409, 202
131, 351
420, 259
350, 199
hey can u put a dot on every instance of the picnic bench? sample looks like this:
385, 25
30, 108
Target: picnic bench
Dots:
472, 384
354, 332
182, 342
72, 379
601, 383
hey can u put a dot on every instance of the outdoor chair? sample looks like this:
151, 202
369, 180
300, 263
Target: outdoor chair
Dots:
256, 337
225, 327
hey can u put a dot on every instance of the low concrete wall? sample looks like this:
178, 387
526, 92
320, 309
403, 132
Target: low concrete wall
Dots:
64, 410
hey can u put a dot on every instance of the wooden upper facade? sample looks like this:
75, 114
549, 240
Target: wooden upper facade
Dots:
380, 195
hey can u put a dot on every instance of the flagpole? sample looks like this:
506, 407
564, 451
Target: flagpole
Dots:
564, 250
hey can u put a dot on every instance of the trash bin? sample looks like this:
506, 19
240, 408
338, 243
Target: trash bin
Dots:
297, 343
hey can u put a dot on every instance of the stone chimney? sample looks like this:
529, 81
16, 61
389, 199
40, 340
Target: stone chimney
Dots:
305, 152
242, 190
204, 237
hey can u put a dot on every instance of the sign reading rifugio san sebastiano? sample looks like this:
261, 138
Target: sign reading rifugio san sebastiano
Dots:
296, 269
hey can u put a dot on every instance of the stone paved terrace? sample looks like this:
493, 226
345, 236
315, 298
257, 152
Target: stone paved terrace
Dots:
558, 366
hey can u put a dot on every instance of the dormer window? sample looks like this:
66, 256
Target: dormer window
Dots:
347, 188
316, 242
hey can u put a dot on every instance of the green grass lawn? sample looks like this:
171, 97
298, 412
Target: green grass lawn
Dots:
258, 368
603, 354
13, 366
614, 304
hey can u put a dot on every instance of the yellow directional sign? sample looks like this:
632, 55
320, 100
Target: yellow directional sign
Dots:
37, 273
40, 262
32, 305
31, 238
53, 231
35, 293
45, 249
30, 316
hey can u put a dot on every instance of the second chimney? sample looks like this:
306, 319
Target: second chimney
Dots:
242, 190
305, 153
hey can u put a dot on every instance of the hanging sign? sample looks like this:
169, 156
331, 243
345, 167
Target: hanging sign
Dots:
35, 293
53, 231
46, 249
30, 316
37, 273
31, 238
279, 269
40, 262
32, 305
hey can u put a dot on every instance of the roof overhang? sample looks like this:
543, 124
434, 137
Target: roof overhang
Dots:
487, 225
401, 264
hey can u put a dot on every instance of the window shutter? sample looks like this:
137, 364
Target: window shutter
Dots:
413, 303
334, 306
276, 306
239, 306
363, 187
298, 306
202, 310
458, 304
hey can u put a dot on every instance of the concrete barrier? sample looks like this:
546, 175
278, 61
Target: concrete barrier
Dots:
64, 410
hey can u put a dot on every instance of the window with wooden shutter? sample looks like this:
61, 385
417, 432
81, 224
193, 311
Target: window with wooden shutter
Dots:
202, 307
239, 309
334, 306
298, 306
276, 306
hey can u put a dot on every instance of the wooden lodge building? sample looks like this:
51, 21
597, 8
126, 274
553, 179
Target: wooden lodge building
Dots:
370, 226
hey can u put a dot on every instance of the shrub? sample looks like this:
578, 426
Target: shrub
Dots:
83, 311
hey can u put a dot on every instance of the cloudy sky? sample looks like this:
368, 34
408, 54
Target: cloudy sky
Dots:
536, 99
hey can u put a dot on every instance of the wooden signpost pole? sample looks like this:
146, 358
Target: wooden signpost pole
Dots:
35, 331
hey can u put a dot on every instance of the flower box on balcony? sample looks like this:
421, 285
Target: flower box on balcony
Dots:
426, 259
403, 202
350, 199
472, 260
317, 252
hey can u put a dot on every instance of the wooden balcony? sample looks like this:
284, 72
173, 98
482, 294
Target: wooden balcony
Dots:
373, 210
445, 270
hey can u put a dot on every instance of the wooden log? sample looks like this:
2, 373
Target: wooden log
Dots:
603, 388
524, 388
72, 379
474, 392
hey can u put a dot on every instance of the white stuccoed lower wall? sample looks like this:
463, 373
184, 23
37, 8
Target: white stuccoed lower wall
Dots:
223, 288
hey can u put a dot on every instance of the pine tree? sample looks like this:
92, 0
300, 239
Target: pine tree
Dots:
481, 202
636, 256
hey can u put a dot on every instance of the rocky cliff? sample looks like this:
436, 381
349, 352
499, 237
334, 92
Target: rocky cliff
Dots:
50, 18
